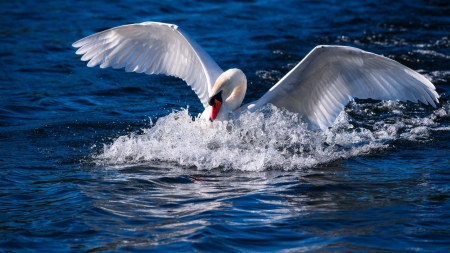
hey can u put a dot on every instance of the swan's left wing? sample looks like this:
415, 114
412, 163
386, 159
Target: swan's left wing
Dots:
329, 77
153, 48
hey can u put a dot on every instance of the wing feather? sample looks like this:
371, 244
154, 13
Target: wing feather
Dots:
329, 77
152, 48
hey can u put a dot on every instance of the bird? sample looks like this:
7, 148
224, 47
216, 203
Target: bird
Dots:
318, 87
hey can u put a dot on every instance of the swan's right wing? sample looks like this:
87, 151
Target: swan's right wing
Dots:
153, 48
329, 77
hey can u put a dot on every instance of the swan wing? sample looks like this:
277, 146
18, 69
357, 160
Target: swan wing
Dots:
322, 84
152, 48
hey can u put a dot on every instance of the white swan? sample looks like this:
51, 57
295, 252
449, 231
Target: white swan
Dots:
318, 88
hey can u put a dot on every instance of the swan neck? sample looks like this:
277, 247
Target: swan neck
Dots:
233, 85
234, 100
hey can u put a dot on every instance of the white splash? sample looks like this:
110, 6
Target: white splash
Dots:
271, 138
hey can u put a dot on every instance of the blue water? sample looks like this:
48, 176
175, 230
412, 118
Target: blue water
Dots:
95, 160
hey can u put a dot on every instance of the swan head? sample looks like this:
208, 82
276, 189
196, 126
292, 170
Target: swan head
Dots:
215, 102
228, 93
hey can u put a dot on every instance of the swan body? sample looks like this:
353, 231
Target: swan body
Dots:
318, 87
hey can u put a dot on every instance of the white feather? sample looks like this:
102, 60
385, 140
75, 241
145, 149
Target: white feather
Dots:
318, 87
153, 48
330, 76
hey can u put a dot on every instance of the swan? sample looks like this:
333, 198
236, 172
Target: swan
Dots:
318, 87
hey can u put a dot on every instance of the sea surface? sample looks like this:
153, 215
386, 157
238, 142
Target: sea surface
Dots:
101, 160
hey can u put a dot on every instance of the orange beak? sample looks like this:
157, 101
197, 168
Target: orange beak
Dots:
215, 109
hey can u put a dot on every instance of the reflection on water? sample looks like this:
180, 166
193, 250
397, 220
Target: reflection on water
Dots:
83, 170
160, 203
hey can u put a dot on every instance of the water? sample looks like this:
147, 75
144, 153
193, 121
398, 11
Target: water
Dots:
102, 160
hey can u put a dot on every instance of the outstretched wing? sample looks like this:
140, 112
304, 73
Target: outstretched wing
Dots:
152, 48
329, 77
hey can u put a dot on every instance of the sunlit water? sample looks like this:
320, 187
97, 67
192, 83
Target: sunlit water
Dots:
102, 160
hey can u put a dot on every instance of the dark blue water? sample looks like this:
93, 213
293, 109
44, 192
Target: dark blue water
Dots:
95, 160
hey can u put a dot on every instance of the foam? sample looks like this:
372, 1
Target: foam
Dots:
269, 139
